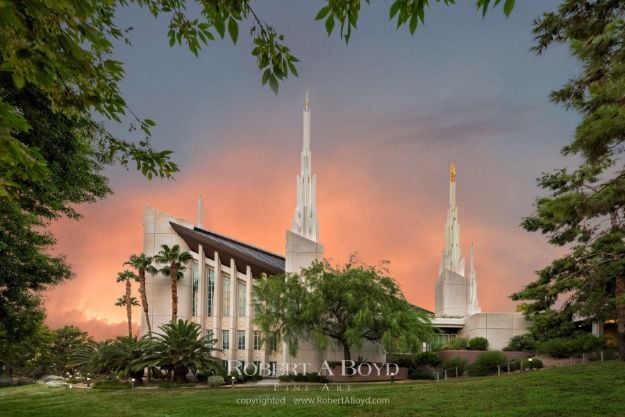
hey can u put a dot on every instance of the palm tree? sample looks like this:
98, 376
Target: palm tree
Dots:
181, 348
174, 259
127, 300
120, 355
143, 264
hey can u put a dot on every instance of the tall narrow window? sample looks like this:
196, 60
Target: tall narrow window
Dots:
241, 339
225, 299
210, 288
210, 335
242, 299
258, 340
256, 303
194, 288
225, 339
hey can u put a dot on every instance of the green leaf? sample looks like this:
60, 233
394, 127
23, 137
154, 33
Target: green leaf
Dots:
273, 84
508, 6
18, 80
414, 20
394, 9
266, 76
330, 24
220, 26
323, 13
233, 29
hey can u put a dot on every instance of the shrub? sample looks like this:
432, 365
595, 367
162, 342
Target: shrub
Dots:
531, 363
457, 343
478, 343
486, 363
215, 380
427, 358
521, 343
565, 347
403, 361
420, 374
454, 363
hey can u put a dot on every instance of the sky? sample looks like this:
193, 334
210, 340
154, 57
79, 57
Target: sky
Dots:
390, 111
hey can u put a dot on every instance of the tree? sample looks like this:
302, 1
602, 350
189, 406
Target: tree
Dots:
174, 260
585, 208
345, 304
180, 348
60, 82
127, 300
143, 264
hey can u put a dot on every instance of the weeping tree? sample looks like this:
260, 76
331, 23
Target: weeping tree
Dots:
345, 304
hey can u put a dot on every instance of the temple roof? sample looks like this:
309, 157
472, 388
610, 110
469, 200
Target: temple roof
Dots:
259, 260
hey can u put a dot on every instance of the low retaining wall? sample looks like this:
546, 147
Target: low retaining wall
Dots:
337, 377
471, 355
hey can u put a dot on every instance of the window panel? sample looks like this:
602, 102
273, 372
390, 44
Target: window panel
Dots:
225, 299
225, 339
242, 299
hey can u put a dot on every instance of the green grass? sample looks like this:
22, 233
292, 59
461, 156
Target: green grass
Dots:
588, 390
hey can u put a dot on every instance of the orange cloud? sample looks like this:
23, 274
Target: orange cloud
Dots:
382, 202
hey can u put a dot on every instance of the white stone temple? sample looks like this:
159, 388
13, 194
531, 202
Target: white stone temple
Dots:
457, 311
216, 290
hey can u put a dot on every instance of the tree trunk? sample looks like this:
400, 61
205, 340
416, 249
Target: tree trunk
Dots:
144, 300
619, 292
180, 374
347, 354
174, 291
128, 308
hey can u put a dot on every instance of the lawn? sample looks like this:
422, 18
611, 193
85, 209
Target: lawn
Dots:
596, 389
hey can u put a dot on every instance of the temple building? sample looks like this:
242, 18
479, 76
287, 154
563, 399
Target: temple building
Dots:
216, 291
457, 311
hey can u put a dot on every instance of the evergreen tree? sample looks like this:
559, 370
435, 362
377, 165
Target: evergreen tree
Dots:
585, 208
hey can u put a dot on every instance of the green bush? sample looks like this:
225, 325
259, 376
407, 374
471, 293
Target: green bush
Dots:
403, 361
521, 343
427, 358
565, 347
111, 385
457, 343
454, 363
486, 363
531, 363
478, 343
420, 374
215, 380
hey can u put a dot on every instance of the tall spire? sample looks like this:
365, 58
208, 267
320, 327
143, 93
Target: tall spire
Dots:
473, 304
452, 255
305, 219
200, 211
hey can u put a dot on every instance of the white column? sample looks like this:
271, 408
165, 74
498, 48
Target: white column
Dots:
249, 333
201, 302
234, 313
217, 299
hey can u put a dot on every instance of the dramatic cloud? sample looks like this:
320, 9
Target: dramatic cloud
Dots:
380, 205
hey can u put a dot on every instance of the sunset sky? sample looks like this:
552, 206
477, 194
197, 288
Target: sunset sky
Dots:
389, 112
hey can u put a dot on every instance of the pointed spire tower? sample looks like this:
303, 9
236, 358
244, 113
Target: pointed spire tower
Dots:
473, 304
452, 255
305, 219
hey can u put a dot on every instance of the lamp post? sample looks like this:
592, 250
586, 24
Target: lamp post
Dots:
232, 379
392, 377
132, 383
88, 382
